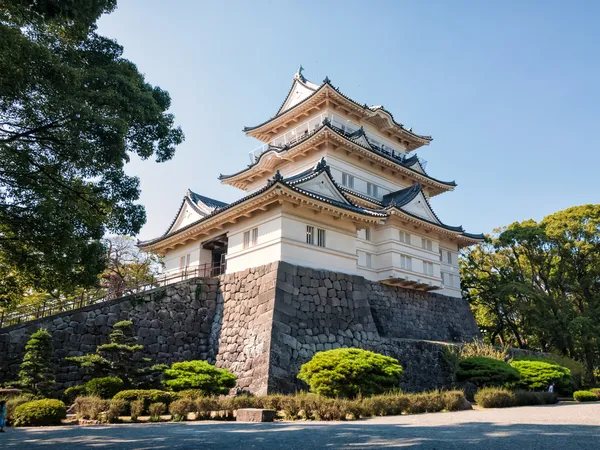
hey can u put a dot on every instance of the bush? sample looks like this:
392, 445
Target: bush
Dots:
90, 407
39, 412
180, 409
199, 375
73, 392
486, 372
479, 349
528, 398
106, 387
585, 396
13, 402
136, 408
204, 406
155, 410
148, 396
37, 369
348, 372
117, 408
495, 397
537, 375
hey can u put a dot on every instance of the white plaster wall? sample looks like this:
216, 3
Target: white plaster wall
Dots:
452, 268
172, 257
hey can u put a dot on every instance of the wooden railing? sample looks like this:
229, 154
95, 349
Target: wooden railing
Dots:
27, 313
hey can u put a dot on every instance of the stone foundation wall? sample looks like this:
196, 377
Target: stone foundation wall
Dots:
263, 324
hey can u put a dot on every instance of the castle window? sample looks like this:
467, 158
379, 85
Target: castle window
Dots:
347, 180
184, 261
368, 234
426, 244
368, 261
250, 238
449, 257
372, 190
405, 237
441, 255
428, 268
405, 262
320, 237
310, 235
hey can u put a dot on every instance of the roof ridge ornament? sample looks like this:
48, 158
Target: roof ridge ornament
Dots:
326, 80
277, 176
322, 165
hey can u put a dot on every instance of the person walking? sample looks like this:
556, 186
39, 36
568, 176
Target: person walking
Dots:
551, 388
2, 415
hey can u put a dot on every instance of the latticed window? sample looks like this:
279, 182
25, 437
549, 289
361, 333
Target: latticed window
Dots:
250, 238
310, 235
428, 268
372, 190
321, 237
347, 180
368, 234
405, 237
426, 244
405, 262
368, 261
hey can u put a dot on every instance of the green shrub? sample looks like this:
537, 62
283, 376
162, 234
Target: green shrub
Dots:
106, 387
204, 406
148, 396
39, 412
37, 370
191, 393
73, 392
585, 396
199, 375
117, 407
180, 409
486, 372
12, 404
479, 349
156, 410
348, 372
90, 407
495, 397
537, 375
136, 408
529, 398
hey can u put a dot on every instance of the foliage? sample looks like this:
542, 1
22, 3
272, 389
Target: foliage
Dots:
13, 402
538, 375
119, 358
529, 398
495, 397
486, 372
39, 412
480, 349
73, 392
180, 409
199, 375
37, 372
147, 396
535, 285
348, 372
585, 396
156, 410
72, 111
116, 408
136, 408
90, 407
106, 387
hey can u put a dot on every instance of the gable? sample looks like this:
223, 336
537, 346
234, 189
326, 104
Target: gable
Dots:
299, 92
416, 166
186, 215
362, 140
322, 185
419, 207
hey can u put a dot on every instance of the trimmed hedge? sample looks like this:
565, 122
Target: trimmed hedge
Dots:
585, 396
486, 372
90, 407
199, 375
537, 375
348, 372
39, 412
498, 397
147, 396
106, 387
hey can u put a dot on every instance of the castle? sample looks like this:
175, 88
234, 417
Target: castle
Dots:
335, 244
336, 185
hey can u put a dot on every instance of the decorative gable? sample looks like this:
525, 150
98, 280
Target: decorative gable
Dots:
322, 185
419, 207
187, 214
301, 89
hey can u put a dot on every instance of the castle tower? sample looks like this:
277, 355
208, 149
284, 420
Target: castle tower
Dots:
335, 185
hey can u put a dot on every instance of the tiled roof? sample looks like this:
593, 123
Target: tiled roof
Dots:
210, 202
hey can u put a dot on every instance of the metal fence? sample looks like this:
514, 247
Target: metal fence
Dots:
28, 313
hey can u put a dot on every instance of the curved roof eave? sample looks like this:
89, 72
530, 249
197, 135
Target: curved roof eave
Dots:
278, 150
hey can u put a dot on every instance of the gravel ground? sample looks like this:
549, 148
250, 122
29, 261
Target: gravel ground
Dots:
564, 426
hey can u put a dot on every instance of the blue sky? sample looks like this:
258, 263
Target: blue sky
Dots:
510, 91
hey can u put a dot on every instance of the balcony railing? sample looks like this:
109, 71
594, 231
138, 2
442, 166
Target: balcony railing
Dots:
341, 125
101, 295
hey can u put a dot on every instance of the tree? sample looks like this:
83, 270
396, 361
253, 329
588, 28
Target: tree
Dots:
537, 285
37, 374
199, 375
119, 358
486, 372
348, 372
72, 111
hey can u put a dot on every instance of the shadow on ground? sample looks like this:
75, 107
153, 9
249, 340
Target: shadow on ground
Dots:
466, 433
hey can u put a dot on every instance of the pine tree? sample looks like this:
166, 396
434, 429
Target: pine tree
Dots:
36, 374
